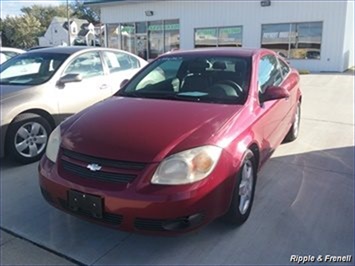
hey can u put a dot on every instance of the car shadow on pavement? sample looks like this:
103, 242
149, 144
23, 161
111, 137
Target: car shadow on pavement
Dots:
304, 204
8, 163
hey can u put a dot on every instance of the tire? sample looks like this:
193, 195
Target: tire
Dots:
243, 193
295, 128
27, 137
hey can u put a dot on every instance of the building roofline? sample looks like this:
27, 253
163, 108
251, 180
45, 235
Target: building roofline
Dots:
98, 2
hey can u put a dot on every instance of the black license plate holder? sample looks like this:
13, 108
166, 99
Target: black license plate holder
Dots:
87, 204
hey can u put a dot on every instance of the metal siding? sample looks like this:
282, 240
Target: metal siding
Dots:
348, 51
250, 15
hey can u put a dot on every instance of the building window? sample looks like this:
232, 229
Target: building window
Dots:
218, 37
146, 39
294, 40
171, 35
128, 42
113, 34
155, 39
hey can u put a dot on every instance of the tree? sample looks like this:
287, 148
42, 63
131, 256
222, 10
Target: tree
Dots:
4, 40
91, 14
20, 32
45, 14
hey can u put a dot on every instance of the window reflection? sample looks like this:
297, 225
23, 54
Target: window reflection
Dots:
145, 39
128, 37
205, 38
218, 37
231, 37
296, 40
172, 35
155, 39
113, 40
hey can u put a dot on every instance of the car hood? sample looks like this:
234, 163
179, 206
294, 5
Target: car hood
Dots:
8, 91
144, 130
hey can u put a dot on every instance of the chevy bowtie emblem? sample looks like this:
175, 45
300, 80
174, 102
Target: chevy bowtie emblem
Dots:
94, 167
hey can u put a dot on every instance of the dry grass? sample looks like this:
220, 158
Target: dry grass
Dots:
303, 71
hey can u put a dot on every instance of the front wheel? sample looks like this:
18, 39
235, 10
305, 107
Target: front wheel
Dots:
243, 194
27, 137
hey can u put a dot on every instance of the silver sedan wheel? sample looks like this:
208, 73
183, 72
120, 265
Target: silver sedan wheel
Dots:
30, 139
246, 187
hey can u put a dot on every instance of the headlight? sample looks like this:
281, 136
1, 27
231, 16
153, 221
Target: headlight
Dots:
53, 145
187, 166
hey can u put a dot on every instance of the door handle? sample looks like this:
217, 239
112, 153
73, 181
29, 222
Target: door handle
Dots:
103, 87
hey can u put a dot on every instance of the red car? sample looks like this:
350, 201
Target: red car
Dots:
171, 153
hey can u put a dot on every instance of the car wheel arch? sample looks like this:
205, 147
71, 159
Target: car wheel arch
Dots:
254, 148
43, 113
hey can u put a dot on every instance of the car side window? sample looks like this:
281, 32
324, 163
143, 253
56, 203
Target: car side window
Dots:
269, 73
88, 65
117, 61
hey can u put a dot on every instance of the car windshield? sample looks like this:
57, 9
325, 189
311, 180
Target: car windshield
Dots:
30, 68
213, 79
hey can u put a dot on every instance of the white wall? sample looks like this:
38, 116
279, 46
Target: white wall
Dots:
348, 51
250, 15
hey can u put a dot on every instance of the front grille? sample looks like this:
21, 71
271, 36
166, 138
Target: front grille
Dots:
99, 175
109, 218
75, 163
104, 162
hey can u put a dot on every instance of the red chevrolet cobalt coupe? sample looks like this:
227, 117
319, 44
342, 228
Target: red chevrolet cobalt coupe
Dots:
179, 145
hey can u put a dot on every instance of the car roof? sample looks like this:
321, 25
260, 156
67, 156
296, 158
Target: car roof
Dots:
63, 49
218, 51
10, 49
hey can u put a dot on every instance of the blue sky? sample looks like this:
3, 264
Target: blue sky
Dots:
13, 7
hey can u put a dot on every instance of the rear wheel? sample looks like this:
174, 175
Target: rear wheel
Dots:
27, 137
295, 128
243, 194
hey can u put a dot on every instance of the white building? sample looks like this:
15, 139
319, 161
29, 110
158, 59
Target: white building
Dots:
314, 35
80, 32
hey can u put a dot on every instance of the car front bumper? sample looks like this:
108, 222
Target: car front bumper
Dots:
141, 206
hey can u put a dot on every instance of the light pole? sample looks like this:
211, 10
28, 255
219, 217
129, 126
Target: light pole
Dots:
68, 21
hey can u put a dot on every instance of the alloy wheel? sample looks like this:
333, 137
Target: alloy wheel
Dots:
30, 139
246, 187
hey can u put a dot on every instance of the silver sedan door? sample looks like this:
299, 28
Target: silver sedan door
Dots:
88, 85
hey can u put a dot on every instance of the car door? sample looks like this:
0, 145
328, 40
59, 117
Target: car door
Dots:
291, 83
94, 87
272, 114
121, 66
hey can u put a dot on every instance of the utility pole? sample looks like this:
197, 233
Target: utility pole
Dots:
68, 21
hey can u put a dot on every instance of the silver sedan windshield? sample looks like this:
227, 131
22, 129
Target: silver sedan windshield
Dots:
31, 69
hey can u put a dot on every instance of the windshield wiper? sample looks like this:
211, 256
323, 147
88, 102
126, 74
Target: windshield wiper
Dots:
191, 97
206, 98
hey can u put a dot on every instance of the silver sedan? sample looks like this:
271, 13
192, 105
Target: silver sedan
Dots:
42, 87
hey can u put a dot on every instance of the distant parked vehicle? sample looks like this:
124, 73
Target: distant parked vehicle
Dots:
6, 53
42, 87
313, 54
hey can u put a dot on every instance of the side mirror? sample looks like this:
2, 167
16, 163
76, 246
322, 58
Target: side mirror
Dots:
123, 83
70, 78
275, 93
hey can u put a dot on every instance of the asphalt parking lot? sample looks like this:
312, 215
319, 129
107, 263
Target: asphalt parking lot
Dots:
304, 203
